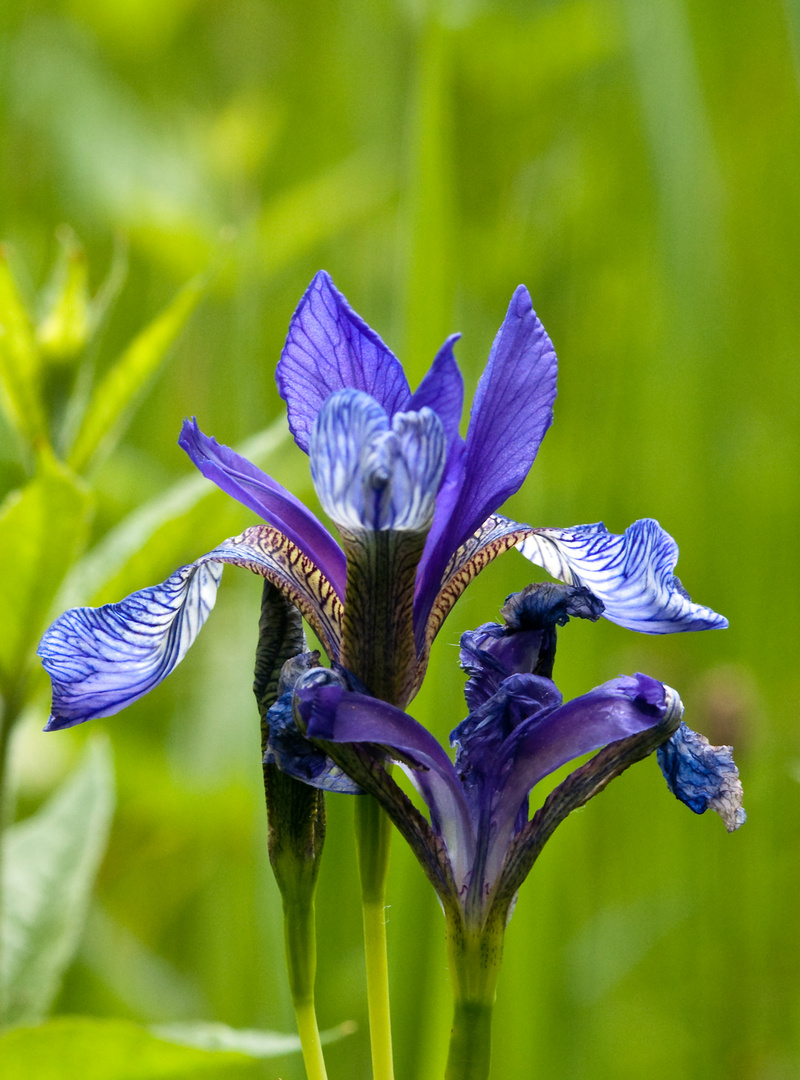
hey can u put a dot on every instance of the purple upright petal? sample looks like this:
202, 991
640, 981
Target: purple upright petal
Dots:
512, 410
632, 574
337, 715
329, 347
270, 500
442, 390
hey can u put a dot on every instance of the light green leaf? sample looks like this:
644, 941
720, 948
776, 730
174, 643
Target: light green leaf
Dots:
87, 1048
48, 869
116, 396
257, 1044
19, 362
170, 516
43, 528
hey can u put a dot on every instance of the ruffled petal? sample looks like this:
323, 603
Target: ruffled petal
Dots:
374, 474
102, 659
703, 776
328, 348
266, 497
336, 715
631, 574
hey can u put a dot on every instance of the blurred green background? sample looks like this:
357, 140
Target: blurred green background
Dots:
636, 165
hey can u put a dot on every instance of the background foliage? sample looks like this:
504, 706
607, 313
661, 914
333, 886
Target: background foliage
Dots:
635, 164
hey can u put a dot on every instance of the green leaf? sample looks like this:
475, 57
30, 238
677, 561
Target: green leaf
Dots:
86, 1048
19, 362
257, 1044
172, 519
116, 396
48, 869
43, 528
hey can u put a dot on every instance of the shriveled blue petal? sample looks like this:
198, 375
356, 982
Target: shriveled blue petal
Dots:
102, 659
373, 474
631, 574
328, 348
703, 776
293, 753
337, 715
526, 640
442, 390
244, 481
551, 737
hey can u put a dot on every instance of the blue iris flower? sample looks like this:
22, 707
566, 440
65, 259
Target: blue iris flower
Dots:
415, 505
518, 731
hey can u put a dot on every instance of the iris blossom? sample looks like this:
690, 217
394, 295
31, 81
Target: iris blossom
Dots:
518, 732
415, 505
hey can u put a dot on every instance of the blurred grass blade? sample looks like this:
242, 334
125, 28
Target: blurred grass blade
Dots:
50, 861
115, 398
310, 213
124, 544
257, 1044
65, 326
111, 287
95, 1049
43, 528
19, 362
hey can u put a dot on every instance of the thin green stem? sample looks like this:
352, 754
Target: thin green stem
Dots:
373, 833
475, 950
301, 962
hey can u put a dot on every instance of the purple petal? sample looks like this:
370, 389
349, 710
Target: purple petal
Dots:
337, 715
512, 410
442, 390
330, 348
631, 574
240, 478
703, 776
102, 659
621, 707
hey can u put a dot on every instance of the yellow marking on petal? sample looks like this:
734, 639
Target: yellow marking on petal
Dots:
298, 578
497, 535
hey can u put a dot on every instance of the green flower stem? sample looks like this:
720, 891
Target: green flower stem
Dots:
301, 963
373, 834
475, 953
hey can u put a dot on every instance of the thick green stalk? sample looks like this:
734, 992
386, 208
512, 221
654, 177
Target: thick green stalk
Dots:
475, 952
373, 835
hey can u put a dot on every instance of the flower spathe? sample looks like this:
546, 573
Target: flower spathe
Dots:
403, 487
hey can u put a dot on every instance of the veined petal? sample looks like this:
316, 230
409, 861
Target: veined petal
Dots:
102, 659
371, 474
244, 481
703, 776
442, 390
329, 347
336, 715
512, 410
631, 574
